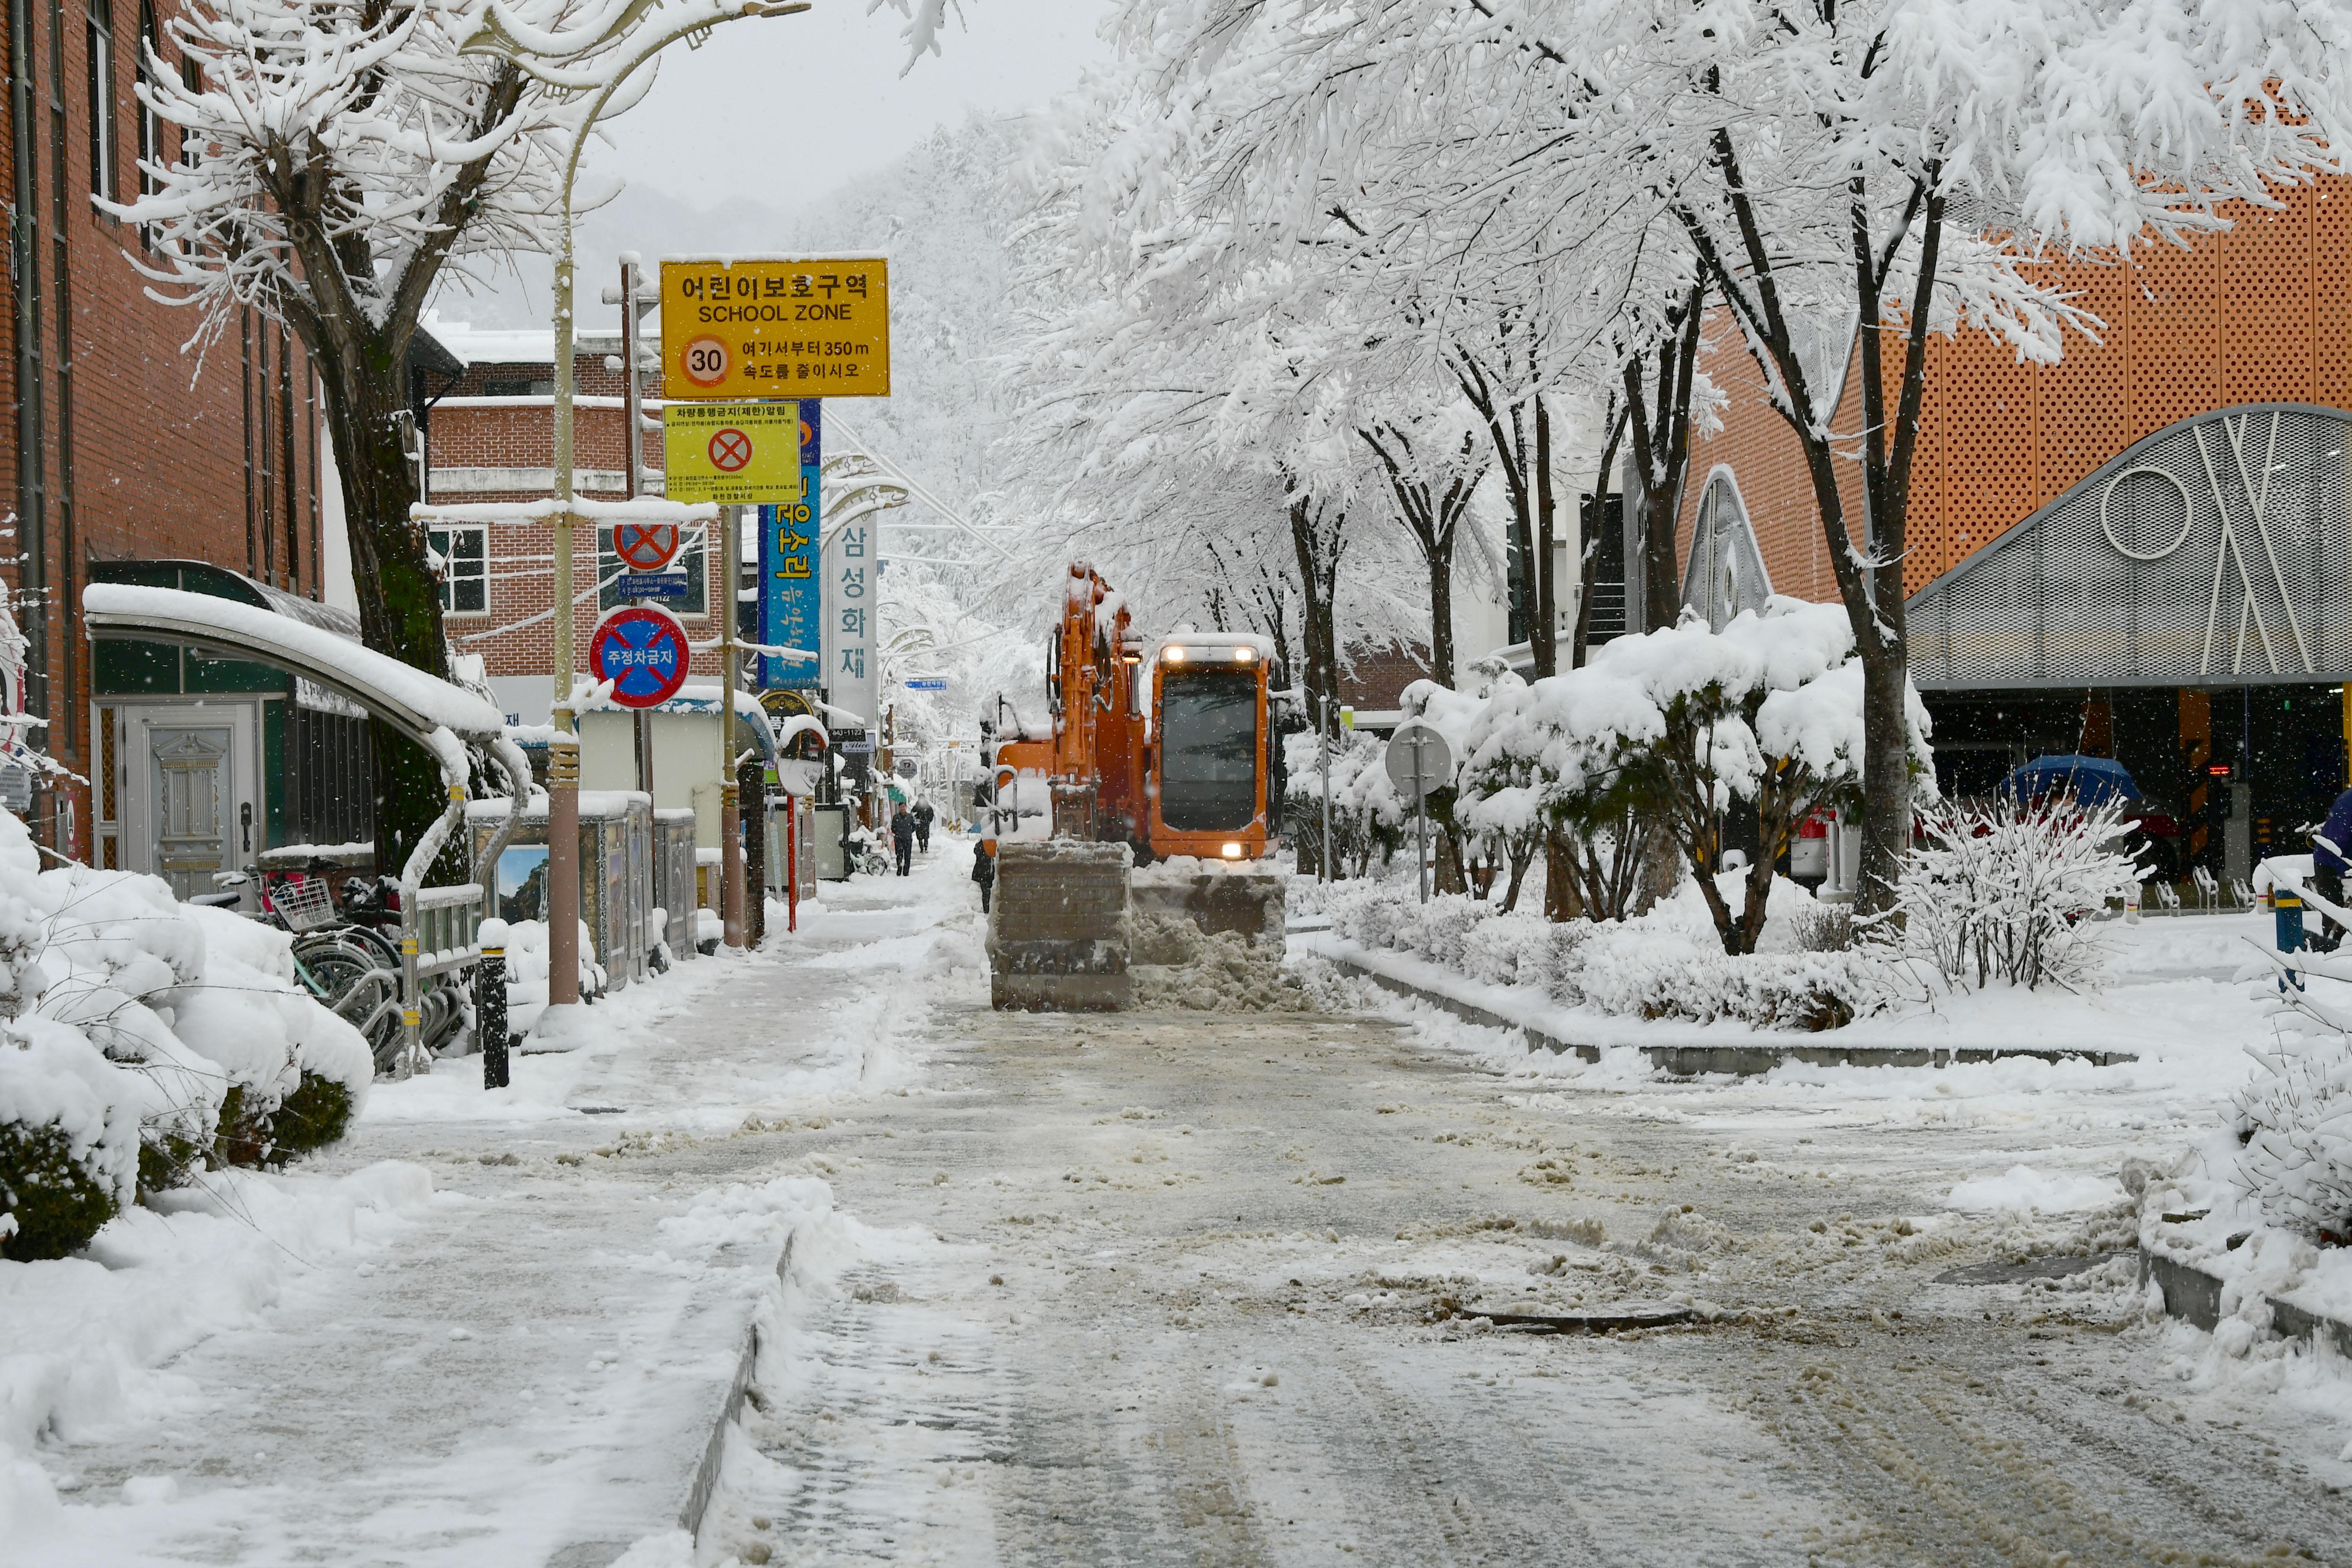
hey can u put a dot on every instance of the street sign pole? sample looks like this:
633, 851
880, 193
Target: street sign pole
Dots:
731, 806
1323, 740
1420, 814
633, 454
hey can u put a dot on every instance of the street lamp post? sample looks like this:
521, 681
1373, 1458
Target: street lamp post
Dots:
641, 30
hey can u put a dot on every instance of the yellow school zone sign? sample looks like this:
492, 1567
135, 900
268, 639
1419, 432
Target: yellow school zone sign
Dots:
736, 454
759, 327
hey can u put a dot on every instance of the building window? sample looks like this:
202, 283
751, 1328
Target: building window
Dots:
101, 98
465, 553
609, 566
519, 388
150, 125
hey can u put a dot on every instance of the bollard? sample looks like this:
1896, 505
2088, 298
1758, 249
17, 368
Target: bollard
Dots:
2287, 907
490, 1003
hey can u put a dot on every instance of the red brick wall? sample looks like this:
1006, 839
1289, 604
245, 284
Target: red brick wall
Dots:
156, 464
471, 430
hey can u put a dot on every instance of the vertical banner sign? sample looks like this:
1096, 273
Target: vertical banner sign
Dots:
792, 603
853, 585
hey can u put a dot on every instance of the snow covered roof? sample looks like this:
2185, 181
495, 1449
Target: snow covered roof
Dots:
407, 699
524, 345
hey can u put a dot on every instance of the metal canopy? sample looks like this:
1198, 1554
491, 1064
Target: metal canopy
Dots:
2216, 552
398, 695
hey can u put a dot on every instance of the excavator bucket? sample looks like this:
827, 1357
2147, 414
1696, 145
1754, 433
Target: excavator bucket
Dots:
1059, 932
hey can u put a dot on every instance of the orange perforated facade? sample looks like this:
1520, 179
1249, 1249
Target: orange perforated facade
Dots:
2262, 312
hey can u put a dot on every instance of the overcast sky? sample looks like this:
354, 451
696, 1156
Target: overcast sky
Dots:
775, 112
783, 108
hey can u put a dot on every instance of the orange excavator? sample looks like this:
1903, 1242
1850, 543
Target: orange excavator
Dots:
1158, 750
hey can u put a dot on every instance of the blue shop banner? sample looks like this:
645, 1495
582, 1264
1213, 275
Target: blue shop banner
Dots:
791, 611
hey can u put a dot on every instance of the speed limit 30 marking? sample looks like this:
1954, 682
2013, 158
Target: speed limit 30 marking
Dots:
730, 450
705, 361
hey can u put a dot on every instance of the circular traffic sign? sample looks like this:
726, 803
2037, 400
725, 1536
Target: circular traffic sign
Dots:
642, 652
1419, 760
645, 546
704, 360
730, 450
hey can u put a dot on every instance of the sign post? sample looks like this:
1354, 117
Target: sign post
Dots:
1419, 761
749, 343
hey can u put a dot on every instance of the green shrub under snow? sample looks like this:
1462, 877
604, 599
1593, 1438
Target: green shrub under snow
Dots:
69, 1124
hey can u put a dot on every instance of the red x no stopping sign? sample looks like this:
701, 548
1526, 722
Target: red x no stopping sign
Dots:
730, 450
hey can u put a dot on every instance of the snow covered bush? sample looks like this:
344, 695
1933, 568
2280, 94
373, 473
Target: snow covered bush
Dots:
1368, 820
1667, 963
2294, 1122
1666, 731
150, 1039
2001, 891
69, 1140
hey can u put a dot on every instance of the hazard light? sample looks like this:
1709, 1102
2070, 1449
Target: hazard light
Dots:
1172, 655
1243, 654
1232, 851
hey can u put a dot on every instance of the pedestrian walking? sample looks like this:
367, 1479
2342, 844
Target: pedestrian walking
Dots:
983, 870
2331, 848
902, 838
923, 816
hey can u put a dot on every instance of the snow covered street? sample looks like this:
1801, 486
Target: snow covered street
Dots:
1193, 1287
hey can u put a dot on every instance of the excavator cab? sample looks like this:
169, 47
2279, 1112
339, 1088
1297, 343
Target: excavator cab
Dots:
1208, 756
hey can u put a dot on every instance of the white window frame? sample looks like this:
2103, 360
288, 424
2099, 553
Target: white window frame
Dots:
439, 539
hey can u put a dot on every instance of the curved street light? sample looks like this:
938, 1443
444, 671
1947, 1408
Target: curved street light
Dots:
595, 58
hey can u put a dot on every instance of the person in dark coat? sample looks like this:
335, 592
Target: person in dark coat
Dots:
2331, 849
983, 870
902, 838
923, 815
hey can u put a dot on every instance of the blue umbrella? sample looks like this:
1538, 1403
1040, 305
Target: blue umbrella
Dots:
2094, 780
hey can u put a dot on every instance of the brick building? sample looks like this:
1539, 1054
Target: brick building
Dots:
491, 435
2142, 551
119, 450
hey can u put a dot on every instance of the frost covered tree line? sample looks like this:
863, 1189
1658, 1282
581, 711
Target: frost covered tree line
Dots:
1296, 275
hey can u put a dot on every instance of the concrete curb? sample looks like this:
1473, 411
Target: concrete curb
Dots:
1693, 1061
602, 1553
2195, 1297
706, 1474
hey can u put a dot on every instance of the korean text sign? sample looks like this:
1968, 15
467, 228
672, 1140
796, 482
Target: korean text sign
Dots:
736, 454
792, 598
769, 327
852, 596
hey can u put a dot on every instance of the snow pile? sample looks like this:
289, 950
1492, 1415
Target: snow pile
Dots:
88, 1337
159, 1036
527, 974
1667, 963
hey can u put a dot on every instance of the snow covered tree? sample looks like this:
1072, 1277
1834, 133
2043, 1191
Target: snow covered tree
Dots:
336, 157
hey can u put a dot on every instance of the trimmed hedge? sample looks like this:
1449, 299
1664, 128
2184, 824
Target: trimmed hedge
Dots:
55, 1201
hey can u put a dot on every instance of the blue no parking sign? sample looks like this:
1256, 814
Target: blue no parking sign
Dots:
642, 652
